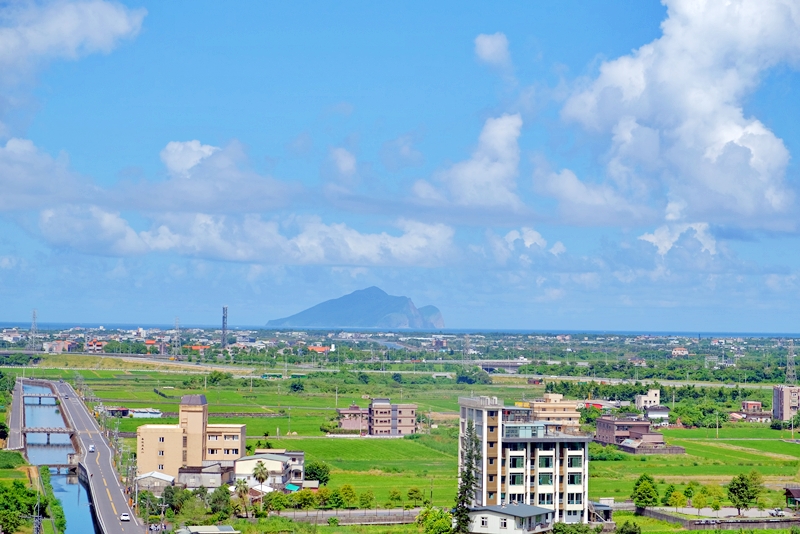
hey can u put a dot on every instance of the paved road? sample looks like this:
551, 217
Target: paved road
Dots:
109, 496
15, 438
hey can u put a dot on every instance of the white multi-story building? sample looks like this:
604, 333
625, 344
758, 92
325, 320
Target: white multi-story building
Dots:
526, 461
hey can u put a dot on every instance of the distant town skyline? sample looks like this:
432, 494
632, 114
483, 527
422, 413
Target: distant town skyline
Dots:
619, 166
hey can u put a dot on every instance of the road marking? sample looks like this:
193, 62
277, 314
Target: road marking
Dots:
111, 501
104, 482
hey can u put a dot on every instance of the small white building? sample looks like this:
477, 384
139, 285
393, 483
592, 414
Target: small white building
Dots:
658, 415
154, 482
511, 518
283, 469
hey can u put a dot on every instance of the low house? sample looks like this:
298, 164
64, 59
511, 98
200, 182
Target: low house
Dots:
510, 519
154, 482
658, 415
750, 406
353, 418
209, 476
145, 413
680, 351
282, 472
208, 529
792, 497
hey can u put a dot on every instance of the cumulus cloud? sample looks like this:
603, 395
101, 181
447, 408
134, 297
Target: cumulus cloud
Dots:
492, 49
180, 157
63, 30
247, 239
665, 237
558, 248
674, 111
488, 178
205, 178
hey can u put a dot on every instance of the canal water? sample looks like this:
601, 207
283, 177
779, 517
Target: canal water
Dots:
68, 490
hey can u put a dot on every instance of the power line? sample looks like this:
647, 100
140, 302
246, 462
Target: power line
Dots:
33, 335
176, 340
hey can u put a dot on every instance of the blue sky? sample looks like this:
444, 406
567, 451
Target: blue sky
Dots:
578, 165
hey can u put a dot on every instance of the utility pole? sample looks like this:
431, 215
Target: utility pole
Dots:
33, 335
224, 329
791, 376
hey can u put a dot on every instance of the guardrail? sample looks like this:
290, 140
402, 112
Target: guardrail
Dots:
83, 476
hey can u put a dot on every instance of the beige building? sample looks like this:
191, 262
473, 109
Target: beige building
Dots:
387, 419
785, 401
192, 443
553, 410
526, 461
653, 398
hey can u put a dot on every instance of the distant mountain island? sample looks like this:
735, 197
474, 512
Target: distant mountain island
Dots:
365, 308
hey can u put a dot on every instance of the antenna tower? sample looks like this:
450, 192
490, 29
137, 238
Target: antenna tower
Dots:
176, 340
33, 335
224, 328
791, 376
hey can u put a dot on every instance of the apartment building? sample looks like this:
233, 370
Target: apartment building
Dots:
653, 398
387, 419
553, 410
785, 402
526, 461
192, 443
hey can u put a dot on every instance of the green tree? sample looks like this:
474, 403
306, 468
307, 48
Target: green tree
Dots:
10, 520
305, 499
628, 527
296, 387
243, 492
645, 495
715, 505
316, 470
435, 520
366, 499
700, 501
667, 494
220, 500
261, 473
395, 496
348, 495
744, 490
323, 497
468, 480
275, 501
415, 494
336, 500
645, 478
677, 499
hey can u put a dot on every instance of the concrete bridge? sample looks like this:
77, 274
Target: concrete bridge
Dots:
48, 431
39, 396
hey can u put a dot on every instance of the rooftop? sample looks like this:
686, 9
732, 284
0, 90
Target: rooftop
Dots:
194, 400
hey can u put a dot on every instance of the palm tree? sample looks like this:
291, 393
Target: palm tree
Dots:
261, 474
243, 492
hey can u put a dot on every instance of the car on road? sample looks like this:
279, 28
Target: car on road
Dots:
777, 512
91, 448
124, 517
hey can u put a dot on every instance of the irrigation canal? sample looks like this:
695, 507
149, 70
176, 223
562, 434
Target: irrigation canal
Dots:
67, 488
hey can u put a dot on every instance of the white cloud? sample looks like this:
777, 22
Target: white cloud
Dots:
558, 248
344, 161
205, 179
31, 179
63, 30
247, 239
493, 49
488, 178
674, 111
179, 157
665, 237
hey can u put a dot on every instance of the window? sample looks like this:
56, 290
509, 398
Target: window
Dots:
517, 480
492, 413
212, 438
492, 428
502, 480
184, 456
161, 439
517, 462
484, 521
546, 462
503, 523
573, 513
491, 444
491, 461
491, 495
213, 451
574, 461
545, 498
574, 478
491, 478
184, 441
161, 453
574, 498
160, 467
545, 479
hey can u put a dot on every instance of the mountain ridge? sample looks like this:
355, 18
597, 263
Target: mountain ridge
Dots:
371, 307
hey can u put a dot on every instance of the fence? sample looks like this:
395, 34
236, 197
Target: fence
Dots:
721, 524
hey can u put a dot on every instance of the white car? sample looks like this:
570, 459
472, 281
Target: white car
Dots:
124, 517
91, 448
